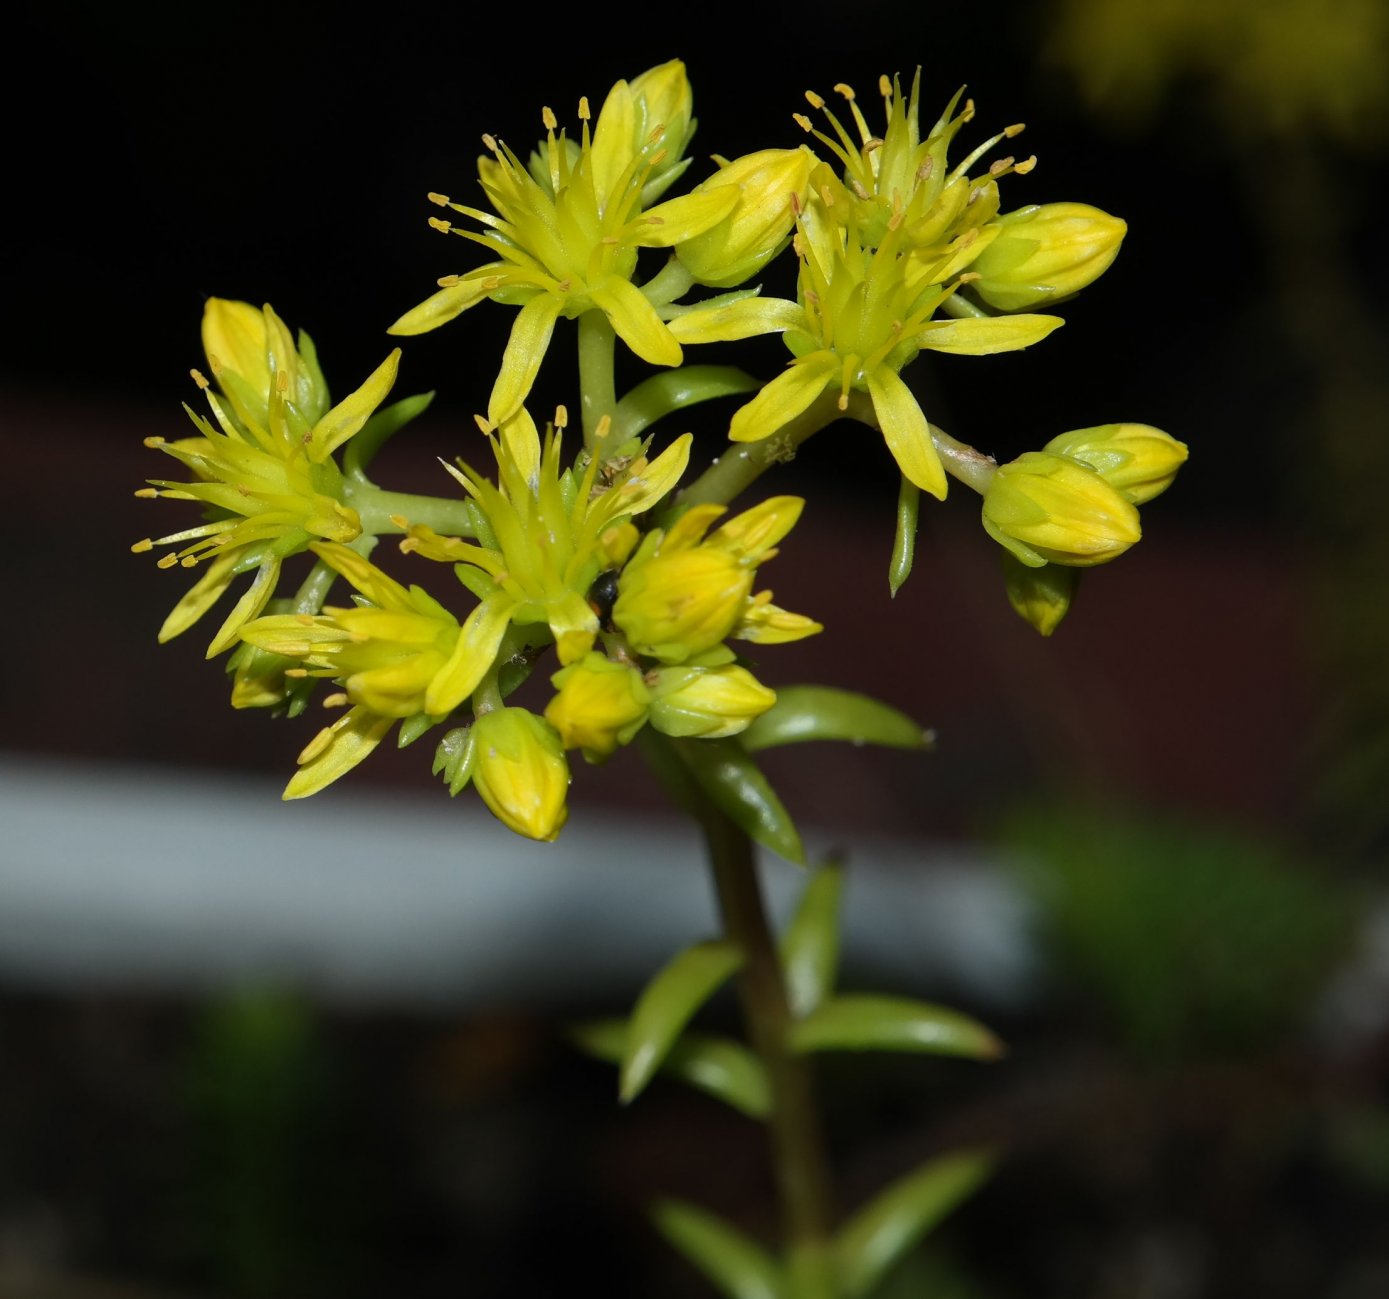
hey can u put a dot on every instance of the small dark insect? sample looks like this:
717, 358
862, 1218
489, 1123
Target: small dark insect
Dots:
602, 595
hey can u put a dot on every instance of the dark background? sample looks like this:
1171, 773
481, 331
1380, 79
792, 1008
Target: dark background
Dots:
1222, 685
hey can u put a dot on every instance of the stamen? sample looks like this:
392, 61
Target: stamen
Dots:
147, 494
549, 119
441, 199
448, 281
282, 382
584, 114
814, 100
803, 122
188, 561
297, 673
924, 171
602, 428
215, 362
489, 142
485, 426
561, 416
885, 87
140, 547
438, 223
338, 700
200, 379
847, 91
1016, 129
400, 521
153, 442
316, 745
1026, 165
999, 165
167, 561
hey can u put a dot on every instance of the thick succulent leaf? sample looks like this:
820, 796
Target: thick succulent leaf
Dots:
734, 783
810, 946
804, 713
673, 390
665, 1006
904, 542
724, 1069
875, 1023
738, 1267
882, 1232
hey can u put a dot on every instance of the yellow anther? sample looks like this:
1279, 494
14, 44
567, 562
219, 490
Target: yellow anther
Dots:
583, 108
603, 427
485, 426
924, 171
441, 199
147, 494
547, 116
140, 547
870, 145
155, 441
188, 561
298, 673
1026, 165
167, 561
999, 165
814, 100
561, 416
847, 91
447, 281
338, 700
802, 121
200, 379
215, 362
1016, 129
400, 520
489, 142
438, 223
282, 381
884, 87
492, 282
843, 401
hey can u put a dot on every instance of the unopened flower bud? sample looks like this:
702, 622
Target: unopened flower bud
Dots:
1137, 459
679, 603
1046, 253
758, 227
1047, 508
519, 768
247, 349
600, 705
663, 98
710, 703
1042, 596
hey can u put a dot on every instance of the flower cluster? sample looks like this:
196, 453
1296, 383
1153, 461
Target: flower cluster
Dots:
590, 556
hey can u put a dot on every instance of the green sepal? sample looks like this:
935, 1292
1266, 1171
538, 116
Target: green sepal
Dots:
413, 727
877, 1023
1041, 597
665, 1006
453, 759
724, 1069
737, 787
804, 713
904, 542
736, 1266
379, 429
810, 945
886, 1228
673, 390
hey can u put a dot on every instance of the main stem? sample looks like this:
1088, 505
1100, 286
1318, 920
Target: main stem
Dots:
798, 1159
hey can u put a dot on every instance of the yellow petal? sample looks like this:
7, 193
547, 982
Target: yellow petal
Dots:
787, 396
678, 219
201, 597
383, 591
336, 750
636, 322
255, 599
521, 443
984, 335
639, 492
234, 333
746, 318
614, 139
347, 417
906, 431
439, 308
478, 641
574, 626
525, 349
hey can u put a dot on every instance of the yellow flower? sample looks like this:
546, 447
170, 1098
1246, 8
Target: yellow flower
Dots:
543, 537
263, 466
708, 702
684, 592
1047, 508
398, 655
600, 705
517, 764
565, 239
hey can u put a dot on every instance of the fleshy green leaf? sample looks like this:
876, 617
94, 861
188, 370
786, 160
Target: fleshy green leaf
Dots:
673, 390
878, 1236
810, 946
724, 1069
904, 543
876, 1023
738, 1267
679, 989
732, 780
804, 713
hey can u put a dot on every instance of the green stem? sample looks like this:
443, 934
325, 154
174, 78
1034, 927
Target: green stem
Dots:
596, 384
376, 507
670, 282
799, 1165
